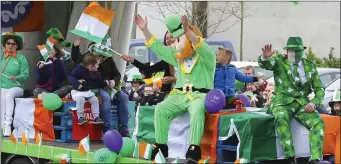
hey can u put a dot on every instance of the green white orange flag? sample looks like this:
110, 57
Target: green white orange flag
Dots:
94, 23
84, 146
14, 136
46, 48
24, 137
145, 150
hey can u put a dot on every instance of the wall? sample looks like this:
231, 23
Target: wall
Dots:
318, 23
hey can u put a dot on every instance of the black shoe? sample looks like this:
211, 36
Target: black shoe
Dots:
162, 147
123, 130
193, 154
292, 160
313, 162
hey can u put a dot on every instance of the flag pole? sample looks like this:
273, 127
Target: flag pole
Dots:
40, 140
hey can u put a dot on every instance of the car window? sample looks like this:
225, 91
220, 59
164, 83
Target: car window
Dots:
334, 85
326, 79
140, 53
266, 73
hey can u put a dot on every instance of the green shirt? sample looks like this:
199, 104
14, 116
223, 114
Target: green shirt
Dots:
197, 70
17, 67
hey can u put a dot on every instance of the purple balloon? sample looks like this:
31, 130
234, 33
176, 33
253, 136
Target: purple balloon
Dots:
113, 140
214, 101
244, 99
324, 162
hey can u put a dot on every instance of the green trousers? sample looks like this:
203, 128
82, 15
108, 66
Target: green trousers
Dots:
312, 121
175, 105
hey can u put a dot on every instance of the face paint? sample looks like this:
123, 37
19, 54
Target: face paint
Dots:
295, 56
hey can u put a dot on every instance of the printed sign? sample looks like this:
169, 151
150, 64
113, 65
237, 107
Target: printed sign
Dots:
14, 12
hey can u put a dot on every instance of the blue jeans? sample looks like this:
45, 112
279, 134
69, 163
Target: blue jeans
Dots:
121, 100
105, 110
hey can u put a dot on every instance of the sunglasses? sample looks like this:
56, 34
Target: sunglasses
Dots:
9, 43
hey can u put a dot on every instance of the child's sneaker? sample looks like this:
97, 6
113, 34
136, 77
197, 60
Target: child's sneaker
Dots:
98, 120
81, 120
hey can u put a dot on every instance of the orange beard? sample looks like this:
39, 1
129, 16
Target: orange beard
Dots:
188, 49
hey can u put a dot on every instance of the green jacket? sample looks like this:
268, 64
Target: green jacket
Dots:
17, 67
285, 89
199, 70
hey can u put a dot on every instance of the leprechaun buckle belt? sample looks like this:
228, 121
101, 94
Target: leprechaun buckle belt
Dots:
192, 89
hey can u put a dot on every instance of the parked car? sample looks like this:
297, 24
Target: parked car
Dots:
327, 75
328, 92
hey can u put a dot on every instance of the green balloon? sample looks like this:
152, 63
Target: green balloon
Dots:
51, 101
104, 155
128, 147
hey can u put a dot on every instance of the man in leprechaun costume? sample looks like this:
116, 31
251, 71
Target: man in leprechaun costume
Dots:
295, 76
196, 62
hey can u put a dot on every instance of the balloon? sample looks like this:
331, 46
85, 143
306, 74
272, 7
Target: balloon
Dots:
324, 162
128, 147
113, 140
104, 155
51, 101
244, 99
214, 101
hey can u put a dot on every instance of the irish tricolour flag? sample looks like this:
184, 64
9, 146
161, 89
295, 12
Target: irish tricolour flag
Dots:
84, 146
32, 119
94, 23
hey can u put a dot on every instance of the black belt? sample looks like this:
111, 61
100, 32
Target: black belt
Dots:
202, 90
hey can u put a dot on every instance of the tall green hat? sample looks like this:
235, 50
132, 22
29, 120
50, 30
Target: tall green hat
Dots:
137, 79
295, 43
57, 37
102, 48
12, 35
336, 97
174, 25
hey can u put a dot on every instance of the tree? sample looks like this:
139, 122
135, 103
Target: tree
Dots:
330, 62
241, 18
199, 12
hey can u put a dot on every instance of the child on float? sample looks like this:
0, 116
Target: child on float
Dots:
226, 75
335, 104
86, 81
51, 74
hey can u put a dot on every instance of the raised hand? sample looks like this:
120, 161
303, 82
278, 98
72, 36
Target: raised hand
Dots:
185, 25
267, 51
127, 58
140, 22
78, 41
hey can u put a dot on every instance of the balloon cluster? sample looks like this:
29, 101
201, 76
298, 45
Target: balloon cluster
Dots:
115, 145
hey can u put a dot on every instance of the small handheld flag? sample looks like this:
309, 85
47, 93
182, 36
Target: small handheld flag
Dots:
84, 146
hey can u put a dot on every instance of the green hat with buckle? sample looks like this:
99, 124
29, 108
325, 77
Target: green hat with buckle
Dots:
57, 36
174, 25
295, 44
12, 35
137, 79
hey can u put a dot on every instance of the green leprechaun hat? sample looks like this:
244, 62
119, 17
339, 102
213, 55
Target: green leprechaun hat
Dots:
137, 79
102, 48
174, 25
56, 37
12, 35
295, 43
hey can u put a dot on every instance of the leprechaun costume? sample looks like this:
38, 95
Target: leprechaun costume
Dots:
295, 76
14, 72
194, 80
